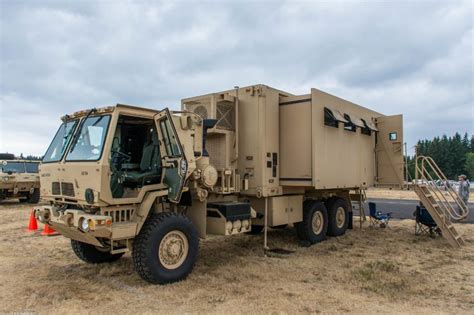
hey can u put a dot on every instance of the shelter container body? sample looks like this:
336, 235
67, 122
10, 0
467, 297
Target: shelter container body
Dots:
280, 143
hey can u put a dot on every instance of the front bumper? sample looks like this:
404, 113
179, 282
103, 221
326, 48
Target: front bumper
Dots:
18, 187
68, 223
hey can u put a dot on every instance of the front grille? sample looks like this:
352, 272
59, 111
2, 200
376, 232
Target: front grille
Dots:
120, 215
55, 188
67, 189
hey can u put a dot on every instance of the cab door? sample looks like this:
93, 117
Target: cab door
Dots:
389, 151
173, 159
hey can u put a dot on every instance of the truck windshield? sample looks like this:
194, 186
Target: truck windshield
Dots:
60, 142
31, 167
88, 143
14, 167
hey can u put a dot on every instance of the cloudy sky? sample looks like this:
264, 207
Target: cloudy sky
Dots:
414, 58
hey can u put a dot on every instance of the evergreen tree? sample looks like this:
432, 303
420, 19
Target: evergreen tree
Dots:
450, 153
469, 165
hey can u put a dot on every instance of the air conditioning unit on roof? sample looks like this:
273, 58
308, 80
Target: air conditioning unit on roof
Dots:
219, 106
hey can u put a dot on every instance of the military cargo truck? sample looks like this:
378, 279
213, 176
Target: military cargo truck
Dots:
125, 178
19, 179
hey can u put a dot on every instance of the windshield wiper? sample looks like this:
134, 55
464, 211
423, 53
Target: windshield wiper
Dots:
79, 129
98, 120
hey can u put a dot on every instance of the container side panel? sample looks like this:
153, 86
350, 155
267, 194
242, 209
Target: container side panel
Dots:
249, 116
341, 158
295, 144
259, 152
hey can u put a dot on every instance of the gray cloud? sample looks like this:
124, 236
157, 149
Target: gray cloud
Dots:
395, 57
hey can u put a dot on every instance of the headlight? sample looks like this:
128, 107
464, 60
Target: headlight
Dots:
84, 225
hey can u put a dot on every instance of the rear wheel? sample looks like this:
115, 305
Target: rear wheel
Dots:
92, 254
314, 226
166, 248
338, 215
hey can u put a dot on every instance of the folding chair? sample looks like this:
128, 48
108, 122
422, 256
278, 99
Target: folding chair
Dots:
424, 223
377, 217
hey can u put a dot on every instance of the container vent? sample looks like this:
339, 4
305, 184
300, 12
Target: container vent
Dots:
225, 115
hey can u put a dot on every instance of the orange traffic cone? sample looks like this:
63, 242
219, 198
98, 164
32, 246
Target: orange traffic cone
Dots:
33, 224
48, 231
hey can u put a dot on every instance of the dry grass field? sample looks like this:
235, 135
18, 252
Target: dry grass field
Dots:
371, 270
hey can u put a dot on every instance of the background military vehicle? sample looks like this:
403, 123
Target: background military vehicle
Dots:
19, 179
125, 178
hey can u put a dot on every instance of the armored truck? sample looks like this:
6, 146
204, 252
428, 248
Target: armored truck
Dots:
153, 182
19, 179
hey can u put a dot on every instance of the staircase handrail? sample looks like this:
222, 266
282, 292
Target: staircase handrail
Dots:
424, 174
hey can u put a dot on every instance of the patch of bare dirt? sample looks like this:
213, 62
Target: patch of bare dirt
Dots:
371, 270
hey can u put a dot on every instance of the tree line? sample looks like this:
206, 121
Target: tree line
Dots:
454, 155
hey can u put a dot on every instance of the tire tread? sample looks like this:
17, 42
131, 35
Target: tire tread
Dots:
139, 252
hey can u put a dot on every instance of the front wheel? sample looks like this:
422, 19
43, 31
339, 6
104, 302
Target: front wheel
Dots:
92, 254
166, 248
35, 196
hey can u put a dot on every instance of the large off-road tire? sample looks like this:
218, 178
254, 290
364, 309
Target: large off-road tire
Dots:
91, 254
338, 215
35, 196
314, 226
166, 248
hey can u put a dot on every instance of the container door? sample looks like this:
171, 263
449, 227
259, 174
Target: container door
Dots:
389, 151
173, 159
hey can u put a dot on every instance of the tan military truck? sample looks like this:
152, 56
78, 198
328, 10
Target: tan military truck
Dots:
19, 179
125, 178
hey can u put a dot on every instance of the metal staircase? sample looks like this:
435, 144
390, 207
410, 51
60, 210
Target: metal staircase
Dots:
445, 206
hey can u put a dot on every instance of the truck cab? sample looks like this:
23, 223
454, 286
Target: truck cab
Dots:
112, 156
19, 180
108, 170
